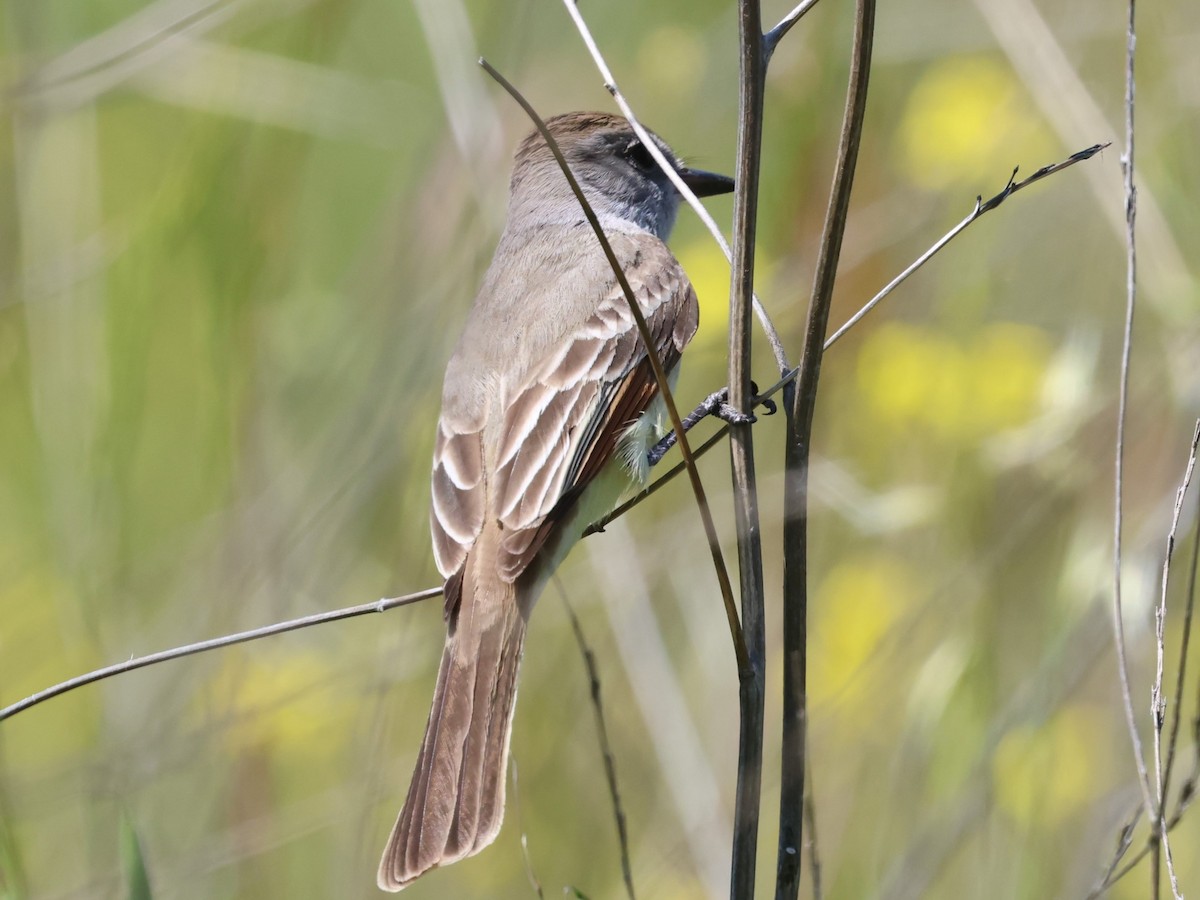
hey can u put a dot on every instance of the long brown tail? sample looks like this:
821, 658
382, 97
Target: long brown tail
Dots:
455, 803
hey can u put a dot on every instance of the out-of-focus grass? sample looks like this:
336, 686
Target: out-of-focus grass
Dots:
233, 260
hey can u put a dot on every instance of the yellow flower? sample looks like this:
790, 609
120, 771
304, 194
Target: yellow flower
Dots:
913, 376
965, 118
1008, 367
858, 602
288, 704
1043, 774
39, 647
708, 271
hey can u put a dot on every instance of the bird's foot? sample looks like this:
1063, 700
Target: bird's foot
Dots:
715, 404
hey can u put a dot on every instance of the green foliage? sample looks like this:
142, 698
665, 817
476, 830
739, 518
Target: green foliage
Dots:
233, 261
137, 879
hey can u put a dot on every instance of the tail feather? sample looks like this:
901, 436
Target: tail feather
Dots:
463, 828
455, 802
499, 733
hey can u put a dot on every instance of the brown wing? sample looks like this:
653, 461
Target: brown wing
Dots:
458, 495
591, 392
563, 421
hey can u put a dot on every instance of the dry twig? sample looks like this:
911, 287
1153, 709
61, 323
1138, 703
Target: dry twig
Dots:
1118, 617
610, 761
1181, 671
800, 406
772, 38
1157, 704
981, 207
535, 883
752, 73
214, 643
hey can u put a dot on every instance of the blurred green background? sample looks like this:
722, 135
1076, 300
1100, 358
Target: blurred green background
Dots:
237, 240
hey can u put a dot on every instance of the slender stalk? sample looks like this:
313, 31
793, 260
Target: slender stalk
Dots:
800, 408
1118, 617
772, 38
1112, 877
1157, 703
810, 822
134, 39
228, 640
610, 761
981, 207
752, 77
535, 883
1184, 648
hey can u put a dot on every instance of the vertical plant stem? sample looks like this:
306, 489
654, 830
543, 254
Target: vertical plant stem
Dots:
1184, 646
1158, 704
752, 71
610, 761
1118, 618
800, 404
810, 822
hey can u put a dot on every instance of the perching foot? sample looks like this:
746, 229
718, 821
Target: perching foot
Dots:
715, 404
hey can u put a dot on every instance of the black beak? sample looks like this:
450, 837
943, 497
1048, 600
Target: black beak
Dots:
706, 184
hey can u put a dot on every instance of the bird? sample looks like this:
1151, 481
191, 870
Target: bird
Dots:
549, 409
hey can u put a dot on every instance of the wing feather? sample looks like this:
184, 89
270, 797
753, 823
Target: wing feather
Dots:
458, 499
563, 417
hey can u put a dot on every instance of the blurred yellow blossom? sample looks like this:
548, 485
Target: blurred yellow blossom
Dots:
1009, 362
964, 118
912, 375
38, 649
282, 702
1042, 775
856, 604
709, 272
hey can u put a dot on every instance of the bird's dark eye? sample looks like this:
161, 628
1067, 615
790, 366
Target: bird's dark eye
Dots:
637, 154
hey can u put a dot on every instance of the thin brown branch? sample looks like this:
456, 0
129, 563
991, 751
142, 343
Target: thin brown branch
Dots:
772, 38
228, 640
1118, 616
751, 686
535, 883
1185, 802
660, 375
610, 761
800, 408
1157, 704
657, 485
810, 823
1124, 842
981, 207
1184, 647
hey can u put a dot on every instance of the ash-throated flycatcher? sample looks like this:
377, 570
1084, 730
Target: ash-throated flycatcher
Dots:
547, 417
